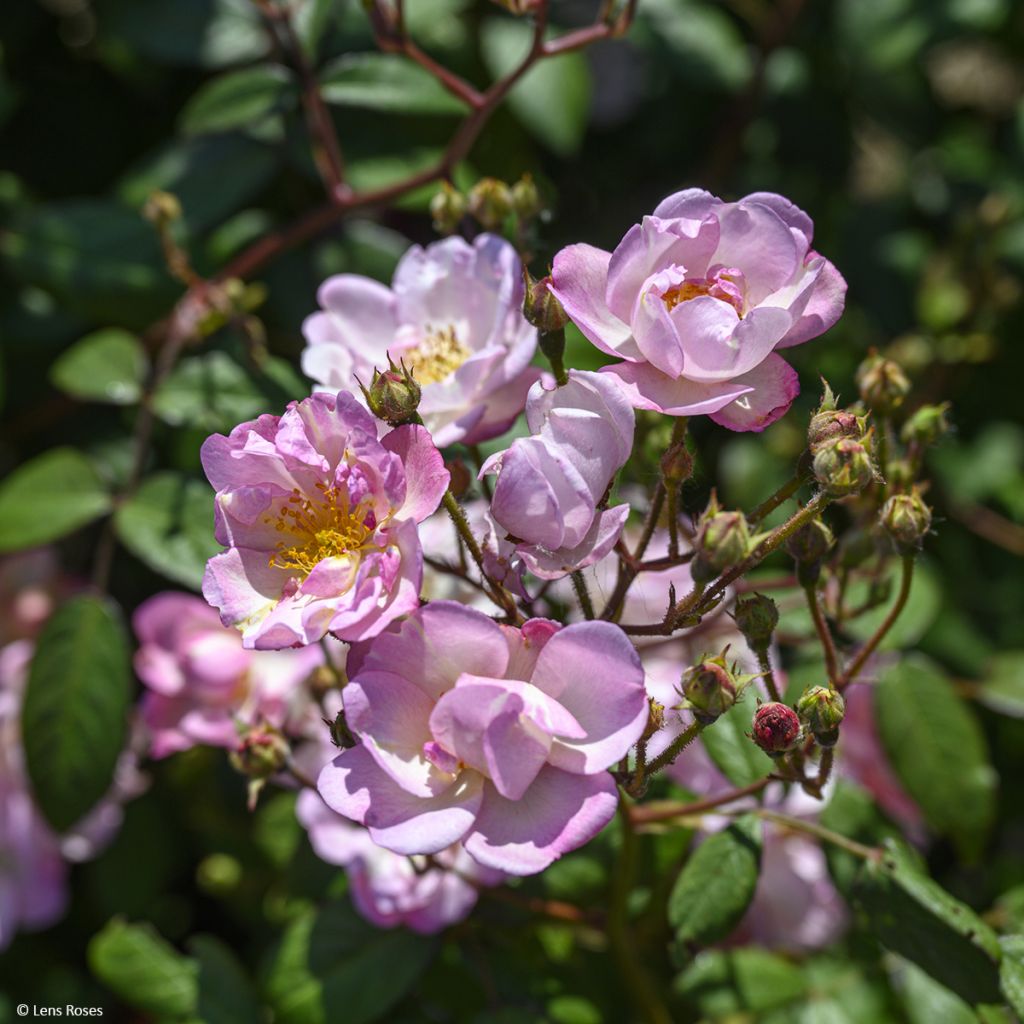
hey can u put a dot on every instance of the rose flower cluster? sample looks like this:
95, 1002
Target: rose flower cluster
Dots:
465, 679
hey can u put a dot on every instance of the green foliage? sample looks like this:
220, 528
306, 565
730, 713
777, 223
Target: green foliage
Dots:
723, 983
332, 959
729, 744
168, 524
75, 710
48, 498
239, 100
385, 83
938, 750
717, 884
105, 366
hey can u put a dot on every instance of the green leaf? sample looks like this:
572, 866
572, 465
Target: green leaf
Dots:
926, 1001
386, 83
143, 969
553, 97
168, 525
333, 959
239, 100
48, 498
74, 717
1002, 689
735, 754
723, 983
937, 749
717, 883
1011, 972
106, 366
226, 995
215, 392
914, 916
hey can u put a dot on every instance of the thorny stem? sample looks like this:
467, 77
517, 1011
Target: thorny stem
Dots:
579, 585
782, 495
655, 812
764, 662
879, 635
672, 489
639, 983
824, 633
672, 751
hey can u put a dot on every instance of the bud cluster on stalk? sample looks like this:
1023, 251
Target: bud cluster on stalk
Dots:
840, 445
711, 687
490, 202
723, 540
393, 395
821, 709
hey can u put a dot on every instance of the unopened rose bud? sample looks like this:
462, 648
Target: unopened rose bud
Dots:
756, 618
899, 475
161, 208
906, 519
821, 709
262, 751
883, 384
710, 689
843, 467
447, 209
490, 202
830, 423
723, 540
540, 307
655, 718
393, 395
926, 425
526, 200
811, 543
776, 728
677, 465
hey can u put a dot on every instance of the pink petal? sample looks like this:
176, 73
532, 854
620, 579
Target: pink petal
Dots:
353, 785
359, 316
648, 388
789, 213
774, 384
692, 203
579, 279
426, 479
757, 241
598, 541
593, 670
823, 308
558, 813
501, 408
720, 347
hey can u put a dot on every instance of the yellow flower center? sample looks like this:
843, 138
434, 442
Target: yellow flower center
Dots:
325, 527
437, 356
686, 291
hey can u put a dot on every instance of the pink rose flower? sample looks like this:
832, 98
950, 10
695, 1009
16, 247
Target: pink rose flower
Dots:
550, 485
498, 738
454, 315
202, 684
319, 519
387, 888
697, 298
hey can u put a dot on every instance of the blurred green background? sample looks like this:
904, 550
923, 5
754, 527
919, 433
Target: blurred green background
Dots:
897, 124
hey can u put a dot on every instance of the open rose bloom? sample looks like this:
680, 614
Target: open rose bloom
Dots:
495, 737
319, 519
453, 315
697, 299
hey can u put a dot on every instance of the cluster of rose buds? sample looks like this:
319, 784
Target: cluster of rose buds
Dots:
490, 202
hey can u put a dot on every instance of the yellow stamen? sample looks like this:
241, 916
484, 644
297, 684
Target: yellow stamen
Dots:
324, 527
437, 356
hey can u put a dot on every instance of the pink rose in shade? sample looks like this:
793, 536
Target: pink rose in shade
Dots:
387, 888
319, 519
498, 738
202, 684
550, 486
454, 315
697, 298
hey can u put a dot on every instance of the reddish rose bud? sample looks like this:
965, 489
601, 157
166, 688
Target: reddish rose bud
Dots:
776, 728
843, 467
830, 423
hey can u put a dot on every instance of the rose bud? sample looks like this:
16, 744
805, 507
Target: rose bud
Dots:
830, 423
883, 384
821, 709
756, 617
490, 202
540, 307
776, 728
926, 425
262, 751
906, 519
710, 689
393, 395
723, 540
843, 467
677, 465
811, 543
447, 209
526, 201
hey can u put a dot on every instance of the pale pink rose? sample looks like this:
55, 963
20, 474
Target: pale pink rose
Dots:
697, 298
319, 519
498, 738
203, 686
550, 485
454, 315
387, 888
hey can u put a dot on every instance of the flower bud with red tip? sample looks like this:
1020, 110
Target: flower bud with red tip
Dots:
776, 728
